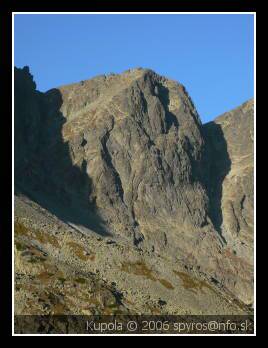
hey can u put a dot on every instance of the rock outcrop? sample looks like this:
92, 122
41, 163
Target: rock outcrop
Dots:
231, 141
127, 156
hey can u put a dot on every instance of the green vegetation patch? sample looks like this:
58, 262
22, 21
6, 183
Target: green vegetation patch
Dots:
80, 252
191, 283
20, 229
20, 246
139, 268
80, 280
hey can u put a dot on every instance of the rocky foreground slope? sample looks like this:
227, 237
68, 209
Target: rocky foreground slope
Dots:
126, 202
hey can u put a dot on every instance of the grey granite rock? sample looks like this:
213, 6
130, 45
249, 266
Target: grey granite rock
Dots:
127, 156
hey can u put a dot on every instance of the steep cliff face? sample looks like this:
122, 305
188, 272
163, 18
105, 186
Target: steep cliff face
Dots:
232, 172
140, 141
126, 155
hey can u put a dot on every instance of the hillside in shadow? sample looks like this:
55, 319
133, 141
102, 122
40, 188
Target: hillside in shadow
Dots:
219, 165
44, 170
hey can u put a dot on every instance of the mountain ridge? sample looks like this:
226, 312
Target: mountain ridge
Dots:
127, 156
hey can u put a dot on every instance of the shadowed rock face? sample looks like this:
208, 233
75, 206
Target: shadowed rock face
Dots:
28, 111
127, 155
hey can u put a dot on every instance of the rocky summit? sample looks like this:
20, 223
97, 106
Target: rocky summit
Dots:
126, 202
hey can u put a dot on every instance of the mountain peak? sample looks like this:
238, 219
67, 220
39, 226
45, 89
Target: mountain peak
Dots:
126, 157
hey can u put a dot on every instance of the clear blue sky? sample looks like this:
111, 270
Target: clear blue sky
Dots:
212, 55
